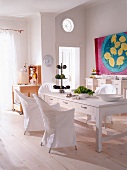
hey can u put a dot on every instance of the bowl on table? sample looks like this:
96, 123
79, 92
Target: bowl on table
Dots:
83, 95
109, 97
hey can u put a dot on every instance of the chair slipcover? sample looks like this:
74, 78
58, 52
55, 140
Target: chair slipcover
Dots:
59, 126
33, 120
45, 88
106, 89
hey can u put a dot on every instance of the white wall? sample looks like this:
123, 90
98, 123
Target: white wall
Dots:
76, 38
103, 19
48, 33
48, 46
21, 24
41, 33
45, 34
34, 41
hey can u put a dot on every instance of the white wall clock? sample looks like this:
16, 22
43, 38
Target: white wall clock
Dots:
48, 60
68, 25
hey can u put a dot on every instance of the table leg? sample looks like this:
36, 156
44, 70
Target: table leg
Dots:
98, 131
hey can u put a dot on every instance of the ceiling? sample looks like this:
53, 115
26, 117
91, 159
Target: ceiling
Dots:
22, 8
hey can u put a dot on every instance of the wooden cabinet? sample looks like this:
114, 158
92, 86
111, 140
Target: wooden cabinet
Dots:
91, 83
34, 72
120, 85
104, 81
27, 89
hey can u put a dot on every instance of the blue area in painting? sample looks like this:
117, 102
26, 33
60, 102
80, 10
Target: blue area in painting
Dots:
107, 44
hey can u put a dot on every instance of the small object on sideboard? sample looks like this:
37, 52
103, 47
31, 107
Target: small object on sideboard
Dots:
34, 72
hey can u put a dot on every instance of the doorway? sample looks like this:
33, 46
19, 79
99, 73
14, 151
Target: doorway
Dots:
70, 56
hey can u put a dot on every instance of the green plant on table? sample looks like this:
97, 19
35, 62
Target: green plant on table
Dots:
82, 89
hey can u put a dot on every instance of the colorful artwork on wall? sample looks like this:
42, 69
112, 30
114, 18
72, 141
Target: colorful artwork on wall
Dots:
111, 54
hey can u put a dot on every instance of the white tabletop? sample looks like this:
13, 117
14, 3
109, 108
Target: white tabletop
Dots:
92, 101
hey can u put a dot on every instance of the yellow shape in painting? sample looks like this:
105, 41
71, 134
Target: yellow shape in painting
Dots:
113, 39
111, 62
122, 39
117, 44
120, 60
124, 46
126, 53
107, 55
113, 50
120, 51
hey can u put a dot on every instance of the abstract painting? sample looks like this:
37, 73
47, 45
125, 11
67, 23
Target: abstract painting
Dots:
111, 54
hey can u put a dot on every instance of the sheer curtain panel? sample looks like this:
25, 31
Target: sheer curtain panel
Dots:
9, 54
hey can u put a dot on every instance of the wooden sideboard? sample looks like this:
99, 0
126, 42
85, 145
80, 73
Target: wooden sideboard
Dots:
120, 85
93, 83
27, 89
104, 81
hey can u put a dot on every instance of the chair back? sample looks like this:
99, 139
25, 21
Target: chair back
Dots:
45, 88
106, 89
51, 114
28, 103
59, 125
32, 116
48, 113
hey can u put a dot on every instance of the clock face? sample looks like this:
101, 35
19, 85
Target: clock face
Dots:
48, 60
68, 25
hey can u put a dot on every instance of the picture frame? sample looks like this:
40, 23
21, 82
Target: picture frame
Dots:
111, 54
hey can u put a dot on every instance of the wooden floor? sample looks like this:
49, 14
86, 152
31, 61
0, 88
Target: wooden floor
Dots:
23, 152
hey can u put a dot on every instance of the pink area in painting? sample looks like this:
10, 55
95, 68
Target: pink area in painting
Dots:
100, 67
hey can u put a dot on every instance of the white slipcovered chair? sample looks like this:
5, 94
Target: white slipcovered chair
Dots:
45, 88
59, 126
105, 89
33, 120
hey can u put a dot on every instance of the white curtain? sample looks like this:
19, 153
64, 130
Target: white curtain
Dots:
9, 54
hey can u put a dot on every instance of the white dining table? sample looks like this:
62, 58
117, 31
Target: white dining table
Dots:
95, 107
